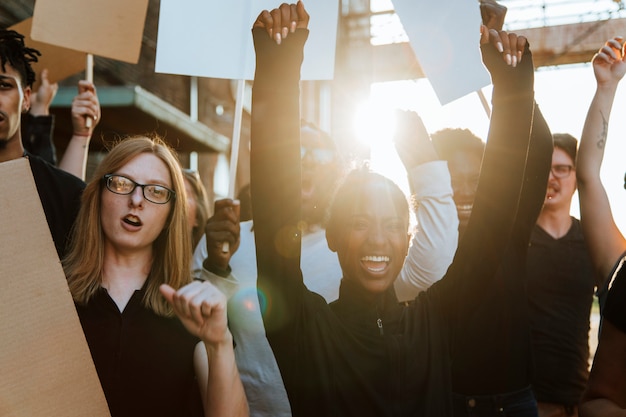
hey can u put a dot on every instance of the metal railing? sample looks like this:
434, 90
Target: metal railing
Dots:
385, 26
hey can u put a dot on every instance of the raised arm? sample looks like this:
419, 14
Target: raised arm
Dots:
279, 38
210, 262
604, 240
491, 226
38, 123
435, 239
606, 390
85, 105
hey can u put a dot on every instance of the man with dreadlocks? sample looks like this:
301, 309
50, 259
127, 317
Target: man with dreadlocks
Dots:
59, 191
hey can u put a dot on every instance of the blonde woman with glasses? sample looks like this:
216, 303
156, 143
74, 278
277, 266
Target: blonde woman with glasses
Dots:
153, 334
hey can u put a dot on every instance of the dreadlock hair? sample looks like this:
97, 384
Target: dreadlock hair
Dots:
14, 52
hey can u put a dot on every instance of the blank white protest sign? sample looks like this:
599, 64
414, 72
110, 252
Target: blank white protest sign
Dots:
445, 36
213, 38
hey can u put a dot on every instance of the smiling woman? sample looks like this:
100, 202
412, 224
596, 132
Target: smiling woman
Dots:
368, 228
366, 354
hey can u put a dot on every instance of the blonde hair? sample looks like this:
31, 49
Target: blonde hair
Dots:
84, 263
202, 204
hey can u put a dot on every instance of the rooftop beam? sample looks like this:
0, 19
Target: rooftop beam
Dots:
551, 45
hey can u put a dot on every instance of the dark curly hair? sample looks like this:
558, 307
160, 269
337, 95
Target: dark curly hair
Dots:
14, 52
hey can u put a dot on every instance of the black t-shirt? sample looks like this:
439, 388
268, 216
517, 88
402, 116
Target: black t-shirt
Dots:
561, 284
60, 194
144, 361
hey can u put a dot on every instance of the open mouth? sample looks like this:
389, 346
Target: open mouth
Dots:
375, 264
551, 193
132, 220
464, 208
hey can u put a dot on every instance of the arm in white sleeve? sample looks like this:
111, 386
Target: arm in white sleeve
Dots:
435, 240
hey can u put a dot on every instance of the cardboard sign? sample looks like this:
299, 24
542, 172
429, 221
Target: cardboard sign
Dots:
212, 38
60, 62
108, 28
45, 364
445, 37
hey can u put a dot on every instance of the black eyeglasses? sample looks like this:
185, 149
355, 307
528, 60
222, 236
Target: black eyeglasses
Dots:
154, 193
561, 171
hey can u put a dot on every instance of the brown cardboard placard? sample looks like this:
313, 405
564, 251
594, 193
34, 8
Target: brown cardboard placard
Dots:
45, 364
107, 28
60, 62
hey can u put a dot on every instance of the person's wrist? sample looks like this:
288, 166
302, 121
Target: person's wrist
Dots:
39, 112
607, 86
82, 134
216, 269
216, 347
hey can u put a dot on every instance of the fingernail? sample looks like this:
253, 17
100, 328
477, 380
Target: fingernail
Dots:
278, 38
285, 32
507, 58
293, 26
514, 63
500, 47
519, 56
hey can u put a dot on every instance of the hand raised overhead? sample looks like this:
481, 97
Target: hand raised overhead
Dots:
283, 20
510, 45
493, 14
609, 63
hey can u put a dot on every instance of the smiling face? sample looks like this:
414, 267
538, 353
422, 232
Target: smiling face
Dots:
130, 222
371, 235
560, 190
464, 174
14, 99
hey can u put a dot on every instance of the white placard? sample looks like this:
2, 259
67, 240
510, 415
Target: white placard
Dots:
212, 38
445, 36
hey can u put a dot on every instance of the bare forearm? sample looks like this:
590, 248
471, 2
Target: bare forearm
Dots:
224, 392
594, 135
74, 159
604, 239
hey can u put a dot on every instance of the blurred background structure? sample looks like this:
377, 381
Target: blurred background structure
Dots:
196, 114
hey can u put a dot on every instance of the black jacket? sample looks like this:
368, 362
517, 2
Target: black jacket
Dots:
335, 361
